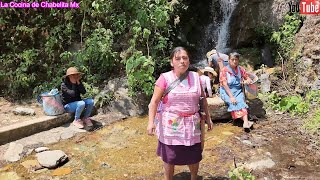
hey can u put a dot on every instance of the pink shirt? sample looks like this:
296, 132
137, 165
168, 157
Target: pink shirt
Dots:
179, 120
206, 84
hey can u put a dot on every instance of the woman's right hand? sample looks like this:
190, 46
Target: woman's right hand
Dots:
233, 100
151, 129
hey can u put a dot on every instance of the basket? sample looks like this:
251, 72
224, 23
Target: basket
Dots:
51, 103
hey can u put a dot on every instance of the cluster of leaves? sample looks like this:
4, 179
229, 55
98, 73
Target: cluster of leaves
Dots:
284, 37
104, 99
100, 38
293, 104
140, 69
240, 174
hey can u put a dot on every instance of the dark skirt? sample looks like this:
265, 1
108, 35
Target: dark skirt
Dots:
179, 154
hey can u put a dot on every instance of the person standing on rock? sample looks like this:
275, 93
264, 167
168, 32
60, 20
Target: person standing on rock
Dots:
72, 88
178, 121
231, 78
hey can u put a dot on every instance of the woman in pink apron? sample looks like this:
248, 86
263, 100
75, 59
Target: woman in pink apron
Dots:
178, 124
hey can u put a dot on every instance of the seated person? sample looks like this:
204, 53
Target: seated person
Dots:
206, 80
231, 89
71, 88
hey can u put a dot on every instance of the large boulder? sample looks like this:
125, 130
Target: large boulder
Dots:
218, 108
249, 15
123, 103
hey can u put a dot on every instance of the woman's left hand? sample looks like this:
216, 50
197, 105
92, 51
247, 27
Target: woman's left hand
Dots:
248, 81
210, 124
151, 129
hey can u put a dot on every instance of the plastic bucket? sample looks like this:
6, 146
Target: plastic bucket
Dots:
251, 90
51, 103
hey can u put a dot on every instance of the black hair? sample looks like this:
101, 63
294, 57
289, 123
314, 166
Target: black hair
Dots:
234, 54
177, 49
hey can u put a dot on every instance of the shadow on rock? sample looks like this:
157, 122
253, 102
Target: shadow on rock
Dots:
96, 126
256, 108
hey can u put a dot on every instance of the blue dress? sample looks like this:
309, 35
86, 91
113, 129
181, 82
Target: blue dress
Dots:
234, 83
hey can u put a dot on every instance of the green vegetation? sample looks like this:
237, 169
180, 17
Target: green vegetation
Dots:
104, 99
240, 174
284, 38
313, 124
103, 38
296, 104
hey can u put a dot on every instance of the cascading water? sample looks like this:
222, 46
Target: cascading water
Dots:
216, 33
227, 7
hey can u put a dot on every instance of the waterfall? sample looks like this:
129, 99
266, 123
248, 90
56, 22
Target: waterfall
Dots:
227, 7
216, 33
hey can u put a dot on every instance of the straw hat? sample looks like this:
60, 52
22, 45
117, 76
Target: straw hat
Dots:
72, 70
209, 69
213, 51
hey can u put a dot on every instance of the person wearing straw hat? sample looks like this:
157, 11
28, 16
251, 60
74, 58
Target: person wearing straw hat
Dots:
72, 88
206, 79
231, 78
217, 60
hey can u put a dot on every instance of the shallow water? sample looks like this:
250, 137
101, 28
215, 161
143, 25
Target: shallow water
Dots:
123, 150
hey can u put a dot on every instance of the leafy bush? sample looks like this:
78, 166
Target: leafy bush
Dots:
104, 99
284, 38
293, 104
139, 70
35, 44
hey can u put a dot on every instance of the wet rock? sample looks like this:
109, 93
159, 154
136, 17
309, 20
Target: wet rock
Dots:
9, 175
41, 149
13, 152
31, 165
105, 165
266, 56
41, 170
228, 133
24, 111
51, 159
260, 165
61, 172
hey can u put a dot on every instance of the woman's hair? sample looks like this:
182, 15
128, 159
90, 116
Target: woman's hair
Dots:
177, 49
234, 54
